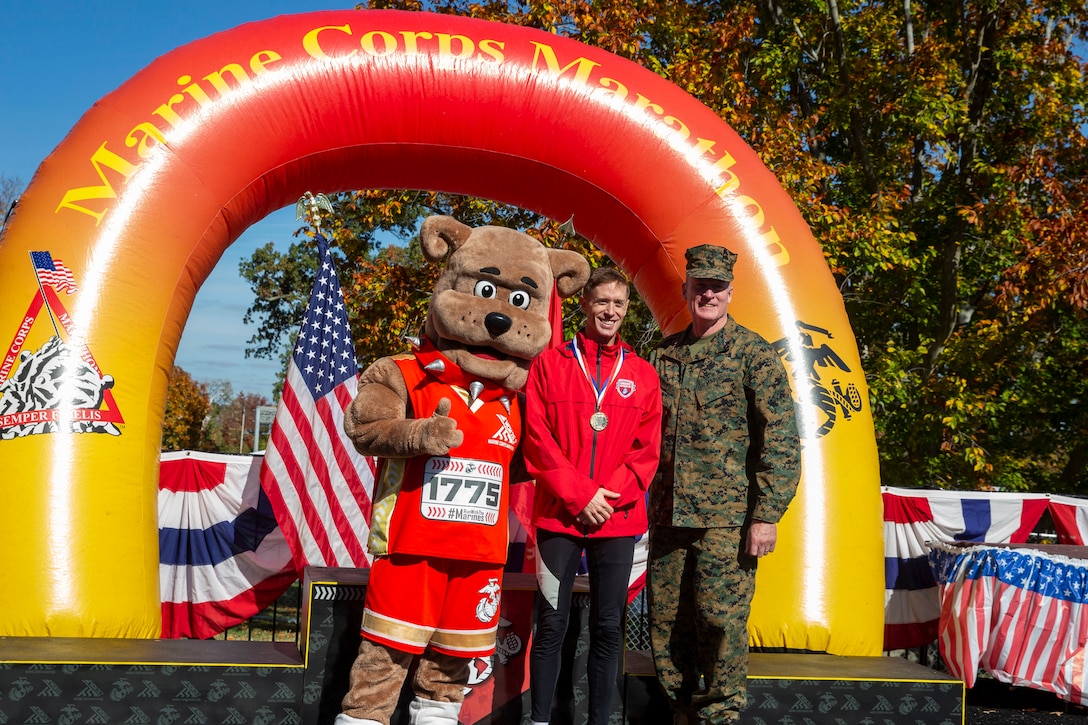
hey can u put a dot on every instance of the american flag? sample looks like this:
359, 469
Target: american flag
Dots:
53, 272
1022, 615
320, 487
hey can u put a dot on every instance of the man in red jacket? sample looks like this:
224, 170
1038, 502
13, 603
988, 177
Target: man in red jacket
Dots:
592, 442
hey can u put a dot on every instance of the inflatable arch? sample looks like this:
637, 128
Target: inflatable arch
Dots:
162, 175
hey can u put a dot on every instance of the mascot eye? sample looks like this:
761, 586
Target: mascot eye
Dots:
485, 289
520, 298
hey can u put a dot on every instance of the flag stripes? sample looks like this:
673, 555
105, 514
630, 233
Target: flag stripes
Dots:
1020, 614
915, 517
1070, 519
222, 558
325, 508
320, 487
52, 272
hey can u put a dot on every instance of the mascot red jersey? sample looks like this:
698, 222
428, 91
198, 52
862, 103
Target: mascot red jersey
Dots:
445, 421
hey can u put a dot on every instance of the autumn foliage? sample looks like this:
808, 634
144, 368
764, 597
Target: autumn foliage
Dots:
186, 405
938, 152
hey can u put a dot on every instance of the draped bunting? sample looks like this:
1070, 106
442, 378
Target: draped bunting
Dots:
912, 518
221, 584
222, 558
1070, 519
1019, 614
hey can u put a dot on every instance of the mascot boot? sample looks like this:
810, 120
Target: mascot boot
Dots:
429, 712
376, 678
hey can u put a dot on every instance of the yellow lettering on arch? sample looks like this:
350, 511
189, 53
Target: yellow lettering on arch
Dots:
680, 126
585, 65
723, 166
645, 104
102, 159
493, 49
614, 88
389, 43
312, 45
446, 42
780, 256
220, 84
412, 38
139, 136
262, 59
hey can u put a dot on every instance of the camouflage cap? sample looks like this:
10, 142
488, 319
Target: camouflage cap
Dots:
709, 261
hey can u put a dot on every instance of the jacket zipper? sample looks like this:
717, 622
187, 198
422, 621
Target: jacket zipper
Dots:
593, 447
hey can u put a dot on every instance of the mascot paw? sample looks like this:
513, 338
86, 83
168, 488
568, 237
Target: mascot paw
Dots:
440, 432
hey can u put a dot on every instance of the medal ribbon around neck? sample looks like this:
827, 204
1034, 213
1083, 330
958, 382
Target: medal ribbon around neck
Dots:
598, 421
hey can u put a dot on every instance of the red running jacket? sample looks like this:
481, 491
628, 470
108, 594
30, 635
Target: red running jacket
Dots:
568, 459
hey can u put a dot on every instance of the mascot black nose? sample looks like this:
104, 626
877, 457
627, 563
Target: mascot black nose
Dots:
497, 323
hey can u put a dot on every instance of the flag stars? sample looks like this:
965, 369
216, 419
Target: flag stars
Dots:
325, 353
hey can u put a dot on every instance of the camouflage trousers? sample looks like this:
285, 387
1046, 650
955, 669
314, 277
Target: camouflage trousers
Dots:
699, 592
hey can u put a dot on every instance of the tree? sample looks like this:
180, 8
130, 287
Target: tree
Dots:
187, 407
217, 438
281, 283
10, 188
387, 289
209, 416
938, 152
232, 422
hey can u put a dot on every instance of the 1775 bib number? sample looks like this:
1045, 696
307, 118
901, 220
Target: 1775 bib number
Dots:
461, 490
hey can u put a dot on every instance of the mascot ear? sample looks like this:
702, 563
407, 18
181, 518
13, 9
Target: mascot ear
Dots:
570, 269
441, 234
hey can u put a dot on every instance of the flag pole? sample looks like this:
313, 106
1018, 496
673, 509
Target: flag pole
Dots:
308, 206
319, 486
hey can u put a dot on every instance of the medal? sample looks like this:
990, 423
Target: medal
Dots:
598, 421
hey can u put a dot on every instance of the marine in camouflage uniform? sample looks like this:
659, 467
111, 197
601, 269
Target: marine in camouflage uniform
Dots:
730, 464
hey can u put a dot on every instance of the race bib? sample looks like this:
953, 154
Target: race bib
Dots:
461, 490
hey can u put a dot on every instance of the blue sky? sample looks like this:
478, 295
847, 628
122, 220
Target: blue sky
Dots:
58, 57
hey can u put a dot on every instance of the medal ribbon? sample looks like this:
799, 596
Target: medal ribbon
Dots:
598, 392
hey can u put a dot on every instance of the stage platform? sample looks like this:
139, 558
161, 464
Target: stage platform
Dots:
800, 689
110, 681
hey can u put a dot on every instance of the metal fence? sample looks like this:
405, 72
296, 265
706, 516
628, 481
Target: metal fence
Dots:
279, 622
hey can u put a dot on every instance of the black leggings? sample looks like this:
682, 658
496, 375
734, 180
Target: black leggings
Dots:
609, 561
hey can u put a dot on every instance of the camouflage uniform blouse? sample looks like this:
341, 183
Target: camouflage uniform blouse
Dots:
711, 398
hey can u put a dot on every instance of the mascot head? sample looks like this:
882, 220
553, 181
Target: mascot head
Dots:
489, 307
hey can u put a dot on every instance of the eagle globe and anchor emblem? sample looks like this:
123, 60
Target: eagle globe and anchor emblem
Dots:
819, 358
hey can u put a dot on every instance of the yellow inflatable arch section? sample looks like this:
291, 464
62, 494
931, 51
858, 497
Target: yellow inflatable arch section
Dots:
122, 223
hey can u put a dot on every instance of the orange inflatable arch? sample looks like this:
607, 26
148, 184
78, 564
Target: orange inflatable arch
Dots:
162, 175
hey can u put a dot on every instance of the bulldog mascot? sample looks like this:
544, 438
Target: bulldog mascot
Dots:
445, 420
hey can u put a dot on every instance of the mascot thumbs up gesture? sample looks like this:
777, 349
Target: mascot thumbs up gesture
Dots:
445, 421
